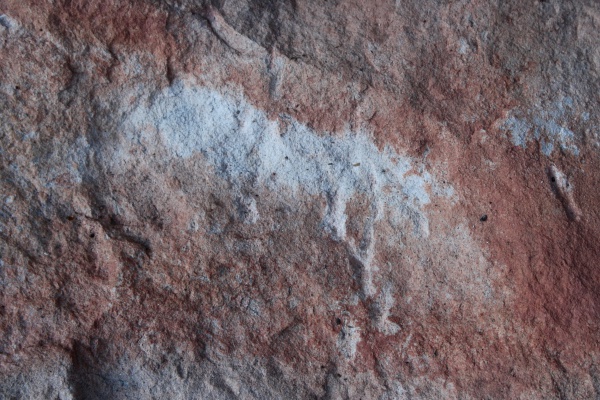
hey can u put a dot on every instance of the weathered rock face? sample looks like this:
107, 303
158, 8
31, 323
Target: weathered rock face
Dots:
322, 199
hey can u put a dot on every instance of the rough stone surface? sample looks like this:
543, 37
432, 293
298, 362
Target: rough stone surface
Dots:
321, 199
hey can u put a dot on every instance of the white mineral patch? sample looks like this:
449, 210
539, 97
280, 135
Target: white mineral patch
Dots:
548, 126
463, 46
244, 146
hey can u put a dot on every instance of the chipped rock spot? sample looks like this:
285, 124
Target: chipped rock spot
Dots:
463, 46
230, 36
564, 191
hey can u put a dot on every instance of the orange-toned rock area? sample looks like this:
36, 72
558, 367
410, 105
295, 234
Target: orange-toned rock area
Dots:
320, 199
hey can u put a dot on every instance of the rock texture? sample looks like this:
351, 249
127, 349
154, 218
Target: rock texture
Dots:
322, 199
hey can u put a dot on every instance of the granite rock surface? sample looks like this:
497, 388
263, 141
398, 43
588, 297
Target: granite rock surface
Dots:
289, 199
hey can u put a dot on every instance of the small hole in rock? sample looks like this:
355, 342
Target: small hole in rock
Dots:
553, 179
338, 321
483, 218
92, 235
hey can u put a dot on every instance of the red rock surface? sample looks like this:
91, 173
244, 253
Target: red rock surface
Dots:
319, 199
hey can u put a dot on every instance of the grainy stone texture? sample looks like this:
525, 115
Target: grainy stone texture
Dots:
322, 199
